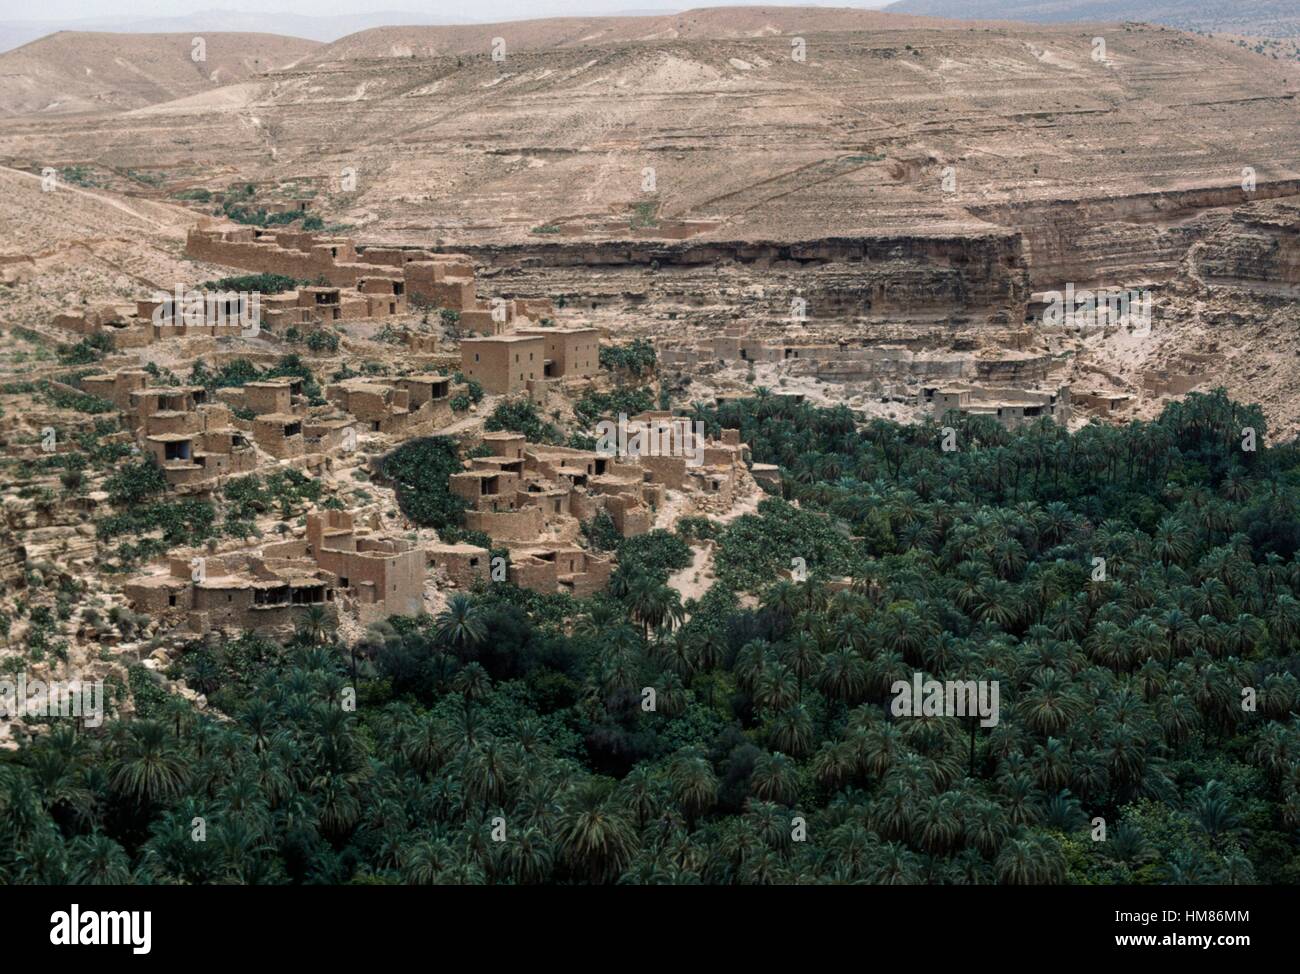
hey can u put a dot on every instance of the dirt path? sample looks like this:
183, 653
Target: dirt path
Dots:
697, 577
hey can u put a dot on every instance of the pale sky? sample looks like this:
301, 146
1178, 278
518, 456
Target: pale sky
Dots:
481, 10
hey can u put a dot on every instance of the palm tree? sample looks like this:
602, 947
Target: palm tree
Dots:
489, 773
315, 626
843, 676
834, 764
423, 863
530, 856
775, 778
791, 731
473, 684
776, 688
148, 768
98, 861
694, 786
1030, 859
596, 839
802, 657
654, 604
460, 625
642, 793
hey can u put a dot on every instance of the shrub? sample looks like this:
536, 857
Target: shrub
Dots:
135, 483
323, 341
520, 416
636, 358
420, 472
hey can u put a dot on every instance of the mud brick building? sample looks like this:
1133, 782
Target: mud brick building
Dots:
383, 575
1009, 406
194, 441
407, 404
560, 568
116, 387
462, 564
503, 364
265, 592
569, 351
337, 565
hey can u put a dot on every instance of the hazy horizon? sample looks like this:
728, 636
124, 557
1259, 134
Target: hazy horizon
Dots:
486, 12
323, 20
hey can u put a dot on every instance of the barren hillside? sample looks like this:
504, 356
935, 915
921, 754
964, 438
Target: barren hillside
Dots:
73, 246
706, 23
743, 139
75, 71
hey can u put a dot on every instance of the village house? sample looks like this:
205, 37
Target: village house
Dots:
192, 439
264, 592
551, 568
503, 364
409, 404
533, 498
461, 564
338, 565
1011, 407
569, 351
382, 575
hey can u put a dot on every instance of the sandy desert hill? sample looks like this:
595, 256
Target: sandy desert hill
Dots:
711, 23
74, 71
73, 246
744, 140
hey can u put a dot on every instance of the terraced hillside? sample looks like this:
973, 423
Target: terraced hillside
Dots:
79, 71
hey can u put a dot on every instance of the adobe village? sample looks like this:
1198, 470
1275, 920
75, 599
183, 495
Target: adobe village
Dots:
303, 450
254, 422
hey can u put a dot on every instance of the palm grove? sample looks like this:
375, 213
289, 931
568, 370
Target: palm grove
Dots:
507, 740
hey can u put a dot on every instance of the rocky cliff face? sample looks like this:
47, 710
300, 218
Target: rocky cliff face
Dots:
972, 278
1258, 249
1140, 237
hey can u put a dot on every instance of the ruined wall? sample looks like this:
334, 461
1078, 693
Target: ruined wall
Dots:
462, 564
524, 525
268, 258
534, 574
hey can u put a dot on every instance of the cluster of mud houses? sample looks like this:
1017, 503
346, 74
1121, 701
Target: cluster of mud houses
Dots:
340, 281
532, 499
339, 564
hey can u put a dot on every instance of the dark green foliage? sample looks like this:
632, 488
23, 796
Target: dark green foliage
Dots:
1120, 697
595, 406
88, 350
520, 416
655, 554
284, 490
475, 388
136, 482
238, 206
80, 402
181, 523
697, 528
601, 532
259, 283
755, 547
239, 371
323, 341
419, 471
636, 358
